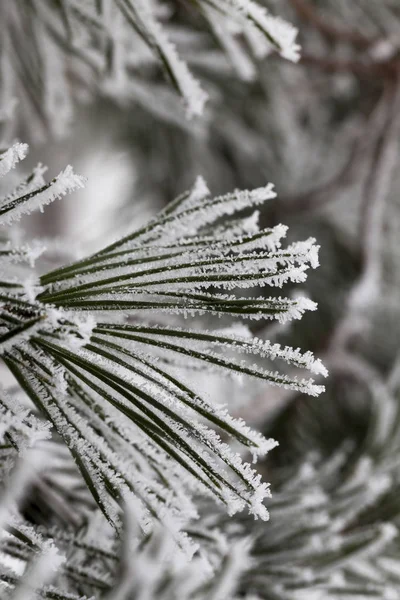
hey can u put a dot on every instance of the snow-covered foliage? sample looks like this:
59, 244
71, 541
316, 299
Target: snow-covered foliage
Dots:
89, 346
115, 47
119, 474
333, 532
334, 515
93, 564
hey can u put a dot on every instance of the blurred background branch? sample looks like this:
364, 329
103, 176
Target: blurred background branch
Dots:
325, 129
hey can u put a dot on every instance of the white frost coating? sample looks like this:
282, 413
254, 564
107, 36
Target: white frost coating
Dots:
204, 268
100, 460
239, 338
40, 573
237, 495
221, 362
311, 251
259, 444
237, 561
80, 336
31, 184
54, 315
200, 192
230, 277
194, 96
85, 325
139, 430
27, 430
266, 349
234, 50
11, 157
191, 199
76, 329
31, 288
190, 221
67, 181
250, 225
283, 33
33, 252
21, 337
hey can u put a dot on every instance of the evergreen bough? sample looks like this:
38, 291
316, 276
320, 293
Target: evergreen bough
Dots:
88, 345
103, 349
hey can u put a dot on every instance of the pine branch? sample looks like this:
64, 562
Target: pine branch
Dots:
133, 427
109, 46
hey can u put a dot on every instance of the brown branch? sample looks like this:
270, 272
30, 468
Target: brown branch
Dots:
378, 181
329, 30
371, 69
363, 66
375, 191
